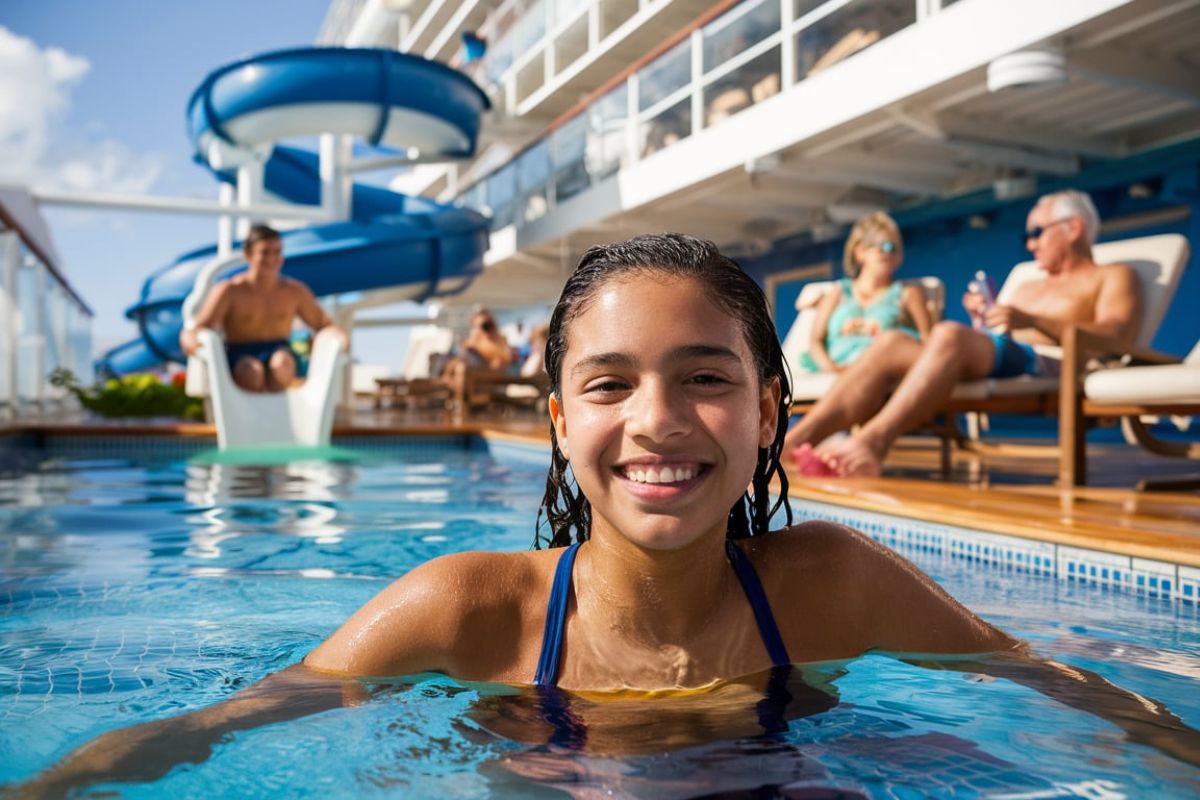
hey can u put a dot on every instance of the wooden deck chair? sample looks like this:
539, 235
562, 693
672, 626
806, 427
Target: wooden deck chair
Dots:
416, 382
1159, 262
808, 387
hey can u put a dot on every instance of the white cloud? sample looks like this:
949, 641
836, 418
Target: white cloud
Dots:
35, 147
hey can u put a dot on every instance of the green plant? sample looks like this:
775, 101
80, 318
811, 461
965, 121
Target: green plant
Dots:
132, 396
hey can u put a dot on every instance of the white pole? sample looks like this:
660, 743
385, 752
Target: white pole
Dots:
249, 190
225, 196
174, 205
335, 151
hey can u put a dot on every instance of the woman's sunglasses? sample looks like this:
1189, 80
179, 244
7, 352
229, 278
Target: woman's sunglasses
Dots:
1037, 230
886, 246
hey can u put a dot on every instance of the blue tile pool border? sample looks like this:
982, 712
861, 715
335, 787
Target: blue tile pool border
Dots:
1141, 576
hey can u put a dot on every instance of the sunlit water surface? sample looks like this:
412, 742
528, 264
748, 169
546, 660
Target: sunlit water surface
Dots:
136, 587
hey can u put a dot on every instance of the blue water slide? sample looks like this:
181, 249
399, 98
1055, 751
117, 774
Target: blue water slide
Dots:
391, 240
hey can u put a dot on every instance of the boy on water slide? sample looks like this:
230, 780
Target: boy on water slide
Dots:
255, 311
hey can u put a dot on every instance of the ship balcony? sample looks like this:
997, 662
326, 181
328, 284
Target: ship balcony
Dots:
776, 117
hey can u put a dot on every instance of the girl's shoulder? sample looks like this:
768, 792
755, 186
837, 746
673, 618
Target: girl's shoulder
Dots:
808, 539
446, 615
826, 557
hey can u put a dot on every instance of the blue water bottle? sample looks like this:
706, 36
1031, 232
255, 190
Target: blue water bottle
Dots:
982, 285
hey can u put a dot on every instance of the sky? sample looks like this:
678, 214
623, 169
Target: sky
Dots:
92, 97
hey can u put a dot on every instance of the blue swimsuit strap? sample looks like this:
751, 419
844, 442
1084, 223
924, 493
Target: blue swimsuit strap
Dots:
560, 591
556, 619
751, 585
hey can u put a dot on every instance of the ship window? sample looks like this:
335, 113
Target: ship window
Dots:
743, 26
848, 31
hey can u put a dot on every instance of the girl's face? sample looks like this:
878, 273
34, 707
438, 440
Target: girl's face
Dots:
661, 412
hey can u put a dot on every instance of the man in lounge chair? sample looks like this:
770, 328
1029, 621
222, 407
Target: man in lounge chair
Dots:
920, 377
485, 354
256, 310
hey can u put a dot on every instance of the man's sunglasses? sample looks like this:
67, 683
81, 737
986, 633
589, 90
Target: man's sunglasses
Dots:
886, 246
1037, 230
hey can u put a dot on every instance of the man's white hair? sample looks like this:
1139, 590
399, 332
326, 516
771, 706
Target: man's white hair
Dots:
1074, 203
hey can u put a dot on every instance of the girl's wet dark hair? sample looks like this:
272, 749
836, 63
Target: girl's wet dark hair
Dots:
568, 513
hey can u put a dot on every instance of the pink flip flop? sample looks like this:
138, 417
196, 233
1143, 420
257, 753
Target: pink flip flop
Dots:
810, 464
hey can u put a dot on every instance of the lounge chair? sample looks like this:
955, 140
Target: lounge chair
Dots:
417, 383
1159, 262
808, 387
1157, 390
529, 389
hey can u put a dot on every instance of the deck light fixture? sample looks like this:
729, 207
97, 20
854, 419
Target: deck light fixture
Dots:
1046, 66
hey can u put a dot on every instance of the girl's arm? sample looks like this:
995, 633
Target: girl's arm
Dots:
906, 612
408, 628
912, 300
820, 330
150, 750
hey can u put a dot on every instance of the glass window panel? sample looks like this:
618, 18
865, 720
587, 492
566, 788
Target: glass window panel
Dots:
533, 177
499, 59
29, 345
531, 27
606, 120
81, 343
666, 74
848, 31
802, 7
533, 167
53, 329
502, 196
667, 128
750, 83
570, 165
743, 26
563, 9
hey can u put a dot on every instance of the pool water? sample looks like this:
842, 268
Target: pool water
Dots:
134, 586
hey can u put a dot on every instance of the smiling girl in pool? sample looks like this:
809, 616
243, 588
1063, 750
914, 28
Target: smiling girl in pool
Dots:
668, 398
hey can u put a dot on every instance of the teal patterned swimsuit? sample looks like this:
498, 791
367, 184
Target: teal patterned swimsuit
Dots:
885, 312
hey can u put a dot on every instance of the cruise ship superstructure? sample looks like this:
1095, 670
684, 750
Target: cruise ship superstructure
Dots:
766, 125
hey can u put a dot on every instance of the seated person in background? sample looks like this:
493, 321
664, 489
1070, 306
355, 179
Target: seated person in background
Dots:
1105, 300
868, 301
255, 311
484, 353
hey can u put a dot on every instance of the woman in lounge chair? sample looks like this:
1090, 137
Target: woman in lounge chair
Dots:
868, 301
859, 307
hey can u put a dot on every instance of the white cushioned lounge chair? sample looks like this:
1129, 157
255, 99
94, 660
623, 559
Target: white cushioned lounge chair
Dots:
1155, 390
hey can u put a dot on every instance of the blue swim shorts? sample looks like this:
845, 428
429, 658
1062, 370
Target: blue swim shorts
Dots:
262, 350
1013, 358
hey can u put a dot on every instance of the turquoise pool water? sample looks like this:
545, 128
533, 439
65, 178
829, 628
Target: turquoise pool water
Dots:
140, 582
